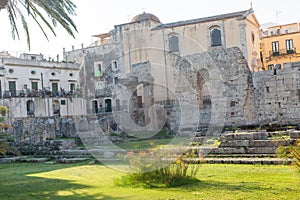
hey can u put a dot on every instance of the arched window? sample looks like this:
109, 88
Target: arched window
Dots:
215, 34
173, 43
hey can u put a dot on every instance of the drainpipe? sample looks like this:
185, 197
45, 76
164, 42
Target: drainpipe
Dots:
224, 36
128, 41
42, 80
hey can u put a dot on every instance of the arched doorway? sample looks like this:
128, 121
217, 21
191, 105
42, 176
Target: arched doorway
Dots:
56, 107
204, 101
204, 98
94, 106
108, 107
30, 108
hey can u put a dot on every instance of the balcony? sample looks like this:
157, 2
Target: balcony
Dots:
39, 93
282, 52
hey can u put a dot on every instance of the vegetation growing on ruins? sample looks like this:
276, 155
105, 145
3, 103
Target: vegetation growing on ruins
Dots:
292, 152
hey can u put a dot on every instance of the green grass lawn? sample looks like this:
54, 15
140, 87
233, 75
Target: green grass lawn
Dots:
82, 181
144, 144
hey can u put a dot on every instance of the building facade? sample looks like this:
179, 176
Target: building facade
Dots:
30, 86
146, 40
279, 45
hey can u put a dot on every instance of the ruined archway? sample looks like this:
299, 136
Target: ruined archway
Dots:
203, 93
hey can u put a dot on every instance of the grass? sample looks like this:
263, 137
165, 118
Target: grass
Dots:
144, 144
82, 181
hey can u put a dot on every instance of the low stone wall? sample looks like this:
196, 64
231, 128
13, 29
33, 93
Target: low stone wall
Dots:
43, 128
47, 148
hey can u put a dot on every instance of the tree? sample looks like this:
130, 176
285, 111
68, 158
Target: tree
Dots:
58, 11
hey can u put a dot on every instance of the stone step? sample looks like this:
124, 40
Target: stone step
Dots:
255, 143
71, 160
34, 160
241, 156
257, 161
232, 150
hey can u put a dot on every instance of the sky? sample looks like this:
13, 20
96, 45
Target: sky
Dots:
96, 16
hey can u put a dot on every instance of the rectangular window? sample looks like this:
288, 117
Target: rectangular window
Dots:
12, 88
270, 67
275, 48
63, 102
34, 86
98, 69
289, 46
114, 65
278, 31
72, 86
54, 89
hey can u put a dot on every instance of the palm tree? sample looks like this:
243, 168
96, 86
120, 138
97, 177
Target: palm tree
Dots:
58, 11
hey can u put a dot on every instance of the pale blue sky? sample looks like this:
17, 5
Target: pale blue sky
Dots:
96, 16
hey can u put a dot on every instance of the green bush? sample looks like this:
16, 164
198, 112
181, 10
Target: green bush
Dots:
292, 152
150, 171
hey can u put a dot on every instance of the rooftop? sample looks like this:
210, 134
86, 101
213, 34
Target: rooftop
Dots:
240, 14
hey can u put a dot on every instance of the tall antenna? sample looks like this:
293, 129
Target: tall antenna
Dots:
277, 16
251, 5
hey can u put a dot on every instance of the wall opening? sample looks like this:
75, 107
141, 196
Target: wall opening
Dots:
108, 105
30, 108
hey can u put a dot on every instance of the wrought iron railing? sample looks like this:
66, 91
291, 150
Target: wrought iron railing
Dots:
39, 93
282, 52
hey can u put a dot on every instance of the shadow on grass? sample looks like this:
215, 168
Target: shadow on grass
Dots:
218, 185
16, 183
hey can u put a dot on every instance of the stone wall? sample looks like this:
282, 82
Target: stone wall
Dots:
277, 94
228, 79
42, 129
51, 147
240, 98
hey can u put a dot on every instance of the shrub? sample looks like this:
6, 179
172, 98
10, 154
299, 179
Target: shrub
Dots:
150, 172
292, 152
5, 149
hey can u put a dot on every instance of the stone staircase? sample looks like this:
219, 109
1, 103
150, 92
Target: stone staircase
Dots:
247, 147
234, 147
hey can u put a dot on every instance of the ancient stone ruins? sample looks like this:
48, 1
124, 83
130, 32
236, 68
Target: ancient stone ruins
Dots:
236, 99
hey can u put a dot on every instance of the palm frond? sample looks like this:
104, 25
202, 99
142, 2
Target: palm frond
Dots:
58, 12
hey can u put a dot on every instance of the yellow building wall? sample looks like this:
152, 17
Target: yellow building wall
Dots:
283, 57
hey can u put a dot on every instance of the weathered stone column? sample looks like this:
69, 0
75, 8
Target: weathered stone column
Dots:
18, 130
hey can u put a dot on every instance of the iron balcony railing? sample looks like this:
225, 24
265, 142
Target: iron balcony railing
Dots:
39, 93
282, 52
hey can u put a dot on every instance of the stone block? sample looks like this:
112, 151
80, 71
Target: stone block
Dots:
295, 134
261, 150
235, 143
268, 143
